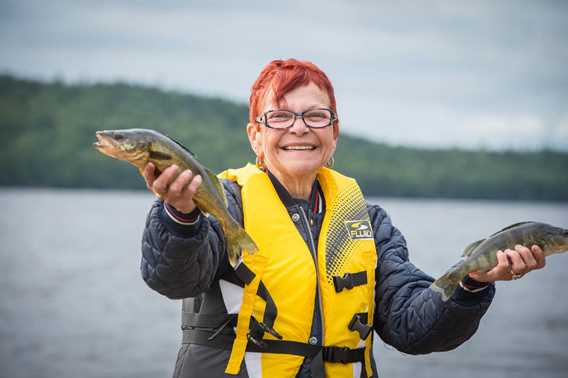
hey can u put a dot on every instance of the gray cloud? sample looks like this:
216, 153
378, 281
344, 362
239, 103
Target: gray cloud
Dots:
437, 73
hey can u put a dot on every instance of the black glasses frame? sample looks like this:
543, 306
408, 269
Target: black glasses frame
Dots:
262, 119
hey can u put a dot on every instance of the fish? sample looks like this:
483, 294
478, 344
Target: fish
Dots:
142, 146
481, 255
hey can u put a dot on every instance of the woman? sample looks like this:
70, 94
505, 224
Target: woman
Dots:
330, 268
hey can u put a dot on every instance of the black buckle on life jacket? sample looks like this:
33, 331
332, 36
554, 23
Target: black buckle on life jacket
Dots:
257, 331
270, 330
256, 340
359, 323
349, 281
343, 354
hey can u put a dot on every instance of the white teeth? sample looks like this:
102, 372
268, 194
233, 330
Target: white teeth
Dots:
299, 148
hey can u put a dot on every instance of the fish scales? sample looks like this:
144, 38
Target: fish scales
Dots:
482, 255
142, 146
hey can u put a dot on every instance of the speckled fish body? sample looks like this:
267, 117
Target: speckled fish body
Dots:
142, 146
482, 254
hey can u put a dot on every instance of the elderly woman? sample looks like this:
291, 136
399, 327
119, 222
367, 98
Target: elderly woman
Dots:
330, 268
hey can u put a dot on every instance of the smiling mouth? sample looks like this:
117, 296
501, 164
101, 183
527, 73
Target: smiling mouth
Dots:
299, 148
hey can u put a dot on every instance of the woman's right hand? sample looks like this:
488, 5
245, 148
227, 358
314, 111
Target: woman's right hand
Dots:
173, 187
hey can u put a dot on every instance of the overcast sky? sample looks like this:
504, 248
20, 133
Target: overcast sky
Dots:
425, 73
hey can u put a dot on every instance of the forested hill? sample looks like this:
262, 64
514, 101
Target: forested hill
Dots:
47, 131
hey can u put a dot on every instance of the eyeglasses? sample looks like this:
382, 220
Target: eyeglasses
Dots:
283, 119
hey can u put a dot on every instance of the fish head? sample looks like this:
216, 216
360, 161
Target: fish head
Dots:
132, 145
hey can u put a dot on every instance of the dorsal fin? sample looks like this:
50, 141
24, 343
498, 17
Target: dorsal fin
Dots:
217, 184
182, 146
510, 226
470, 248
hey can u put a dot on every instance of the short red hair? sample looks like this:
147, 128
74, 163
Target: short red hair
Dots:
283, 76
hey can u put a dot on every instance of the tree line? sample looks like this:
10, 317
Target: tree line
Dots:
47, 131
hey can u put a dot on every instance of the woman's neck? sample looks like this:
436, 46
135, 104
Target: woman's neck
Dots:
299, 188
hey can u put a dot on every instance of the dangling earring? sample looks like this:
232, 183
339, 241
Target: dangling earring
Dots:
260, 163
331, 162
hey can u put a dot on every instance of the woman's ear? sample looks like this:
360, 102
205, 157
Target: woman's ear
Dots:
255, 137
335, 130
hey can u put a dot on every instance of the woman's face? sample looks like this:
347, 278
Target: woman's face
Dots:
298, 152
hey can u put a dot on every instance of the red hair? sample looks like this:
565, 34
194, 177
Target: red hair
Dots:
283, 76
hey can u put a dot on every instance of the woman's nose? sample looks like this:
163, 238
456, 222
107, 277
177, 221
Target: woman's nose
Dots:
299, 126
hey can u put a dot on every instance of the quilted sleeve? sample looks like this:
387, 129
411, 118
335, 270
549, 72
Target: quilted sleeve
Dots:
181, 261
409, 316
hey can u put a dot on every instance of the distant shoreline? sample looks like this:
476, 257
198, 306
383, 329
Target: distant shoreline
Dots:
47, 131
370, 198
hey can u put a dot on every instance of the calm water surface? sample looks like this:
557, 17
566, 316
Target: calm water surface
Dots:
73, 303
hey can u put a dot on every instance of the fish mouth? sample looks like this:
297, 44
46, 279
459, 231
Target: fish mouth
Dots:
105, 143
102, 140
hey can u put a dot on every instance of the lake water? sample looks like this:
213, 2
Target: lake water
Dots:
73, 303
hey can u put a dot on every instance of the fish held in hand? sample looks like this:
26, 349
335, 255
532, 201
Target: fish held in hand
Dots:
482, 254
142, 146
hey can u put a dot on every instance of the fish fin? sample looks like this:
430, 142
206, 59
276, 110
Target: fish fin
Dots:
238, 242
511, 226
234, 252
445, 286
470, 248
217, 185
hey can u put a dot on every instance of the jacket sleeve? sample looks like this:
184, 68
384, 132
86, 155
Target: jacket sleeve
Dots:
410, 316
181, 261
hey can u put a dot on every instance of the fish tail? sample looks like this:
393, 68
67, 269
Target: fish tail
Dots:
234, 252
445, 285
238, 241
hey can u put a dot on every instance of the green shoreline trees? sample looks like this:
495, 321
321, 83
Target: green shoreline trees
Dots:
47, 131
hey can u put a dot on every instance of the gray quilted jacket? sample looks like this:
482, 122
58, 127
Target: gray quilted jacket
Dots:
188, 261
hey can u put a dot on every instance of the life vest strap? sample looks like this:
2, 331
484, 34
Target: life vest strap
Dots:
240, 342
270, 312
225, 341
343, 354
349, 281
218, 321
213, 321
244, 273
257, 330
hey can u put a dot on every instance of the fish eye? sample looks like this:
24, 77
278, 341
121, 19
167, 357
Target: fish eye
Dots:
118, 137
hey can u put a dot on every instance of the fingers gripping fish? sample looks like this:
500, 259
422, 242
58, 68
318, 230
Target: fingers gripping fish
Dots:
482, 254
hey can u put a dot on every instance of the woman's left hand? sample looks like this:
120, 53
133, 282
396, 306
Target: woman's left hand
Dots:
513, 264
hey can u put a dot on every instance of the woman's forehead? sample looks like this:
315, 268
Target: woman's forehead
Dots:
309, 94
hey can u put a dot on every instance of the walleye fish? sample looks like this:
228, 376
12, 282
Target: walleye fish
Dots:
482, 254
142, 146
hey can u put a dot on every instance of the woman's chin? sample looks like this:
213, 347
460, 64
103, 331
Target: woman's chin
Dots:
300, 169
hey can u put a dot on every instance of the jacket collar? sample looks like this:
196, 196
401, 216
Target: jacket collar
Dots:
313, 204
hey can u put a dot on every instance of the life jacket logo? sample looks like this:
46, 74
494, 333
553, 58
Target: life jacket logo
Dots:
359, 229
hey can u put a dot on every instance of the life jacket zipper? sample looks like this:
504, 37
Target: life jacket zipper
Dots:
315, 256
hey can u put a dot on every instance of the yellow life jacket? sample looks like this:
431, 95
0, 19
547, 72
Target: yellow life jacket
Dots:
344, 274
